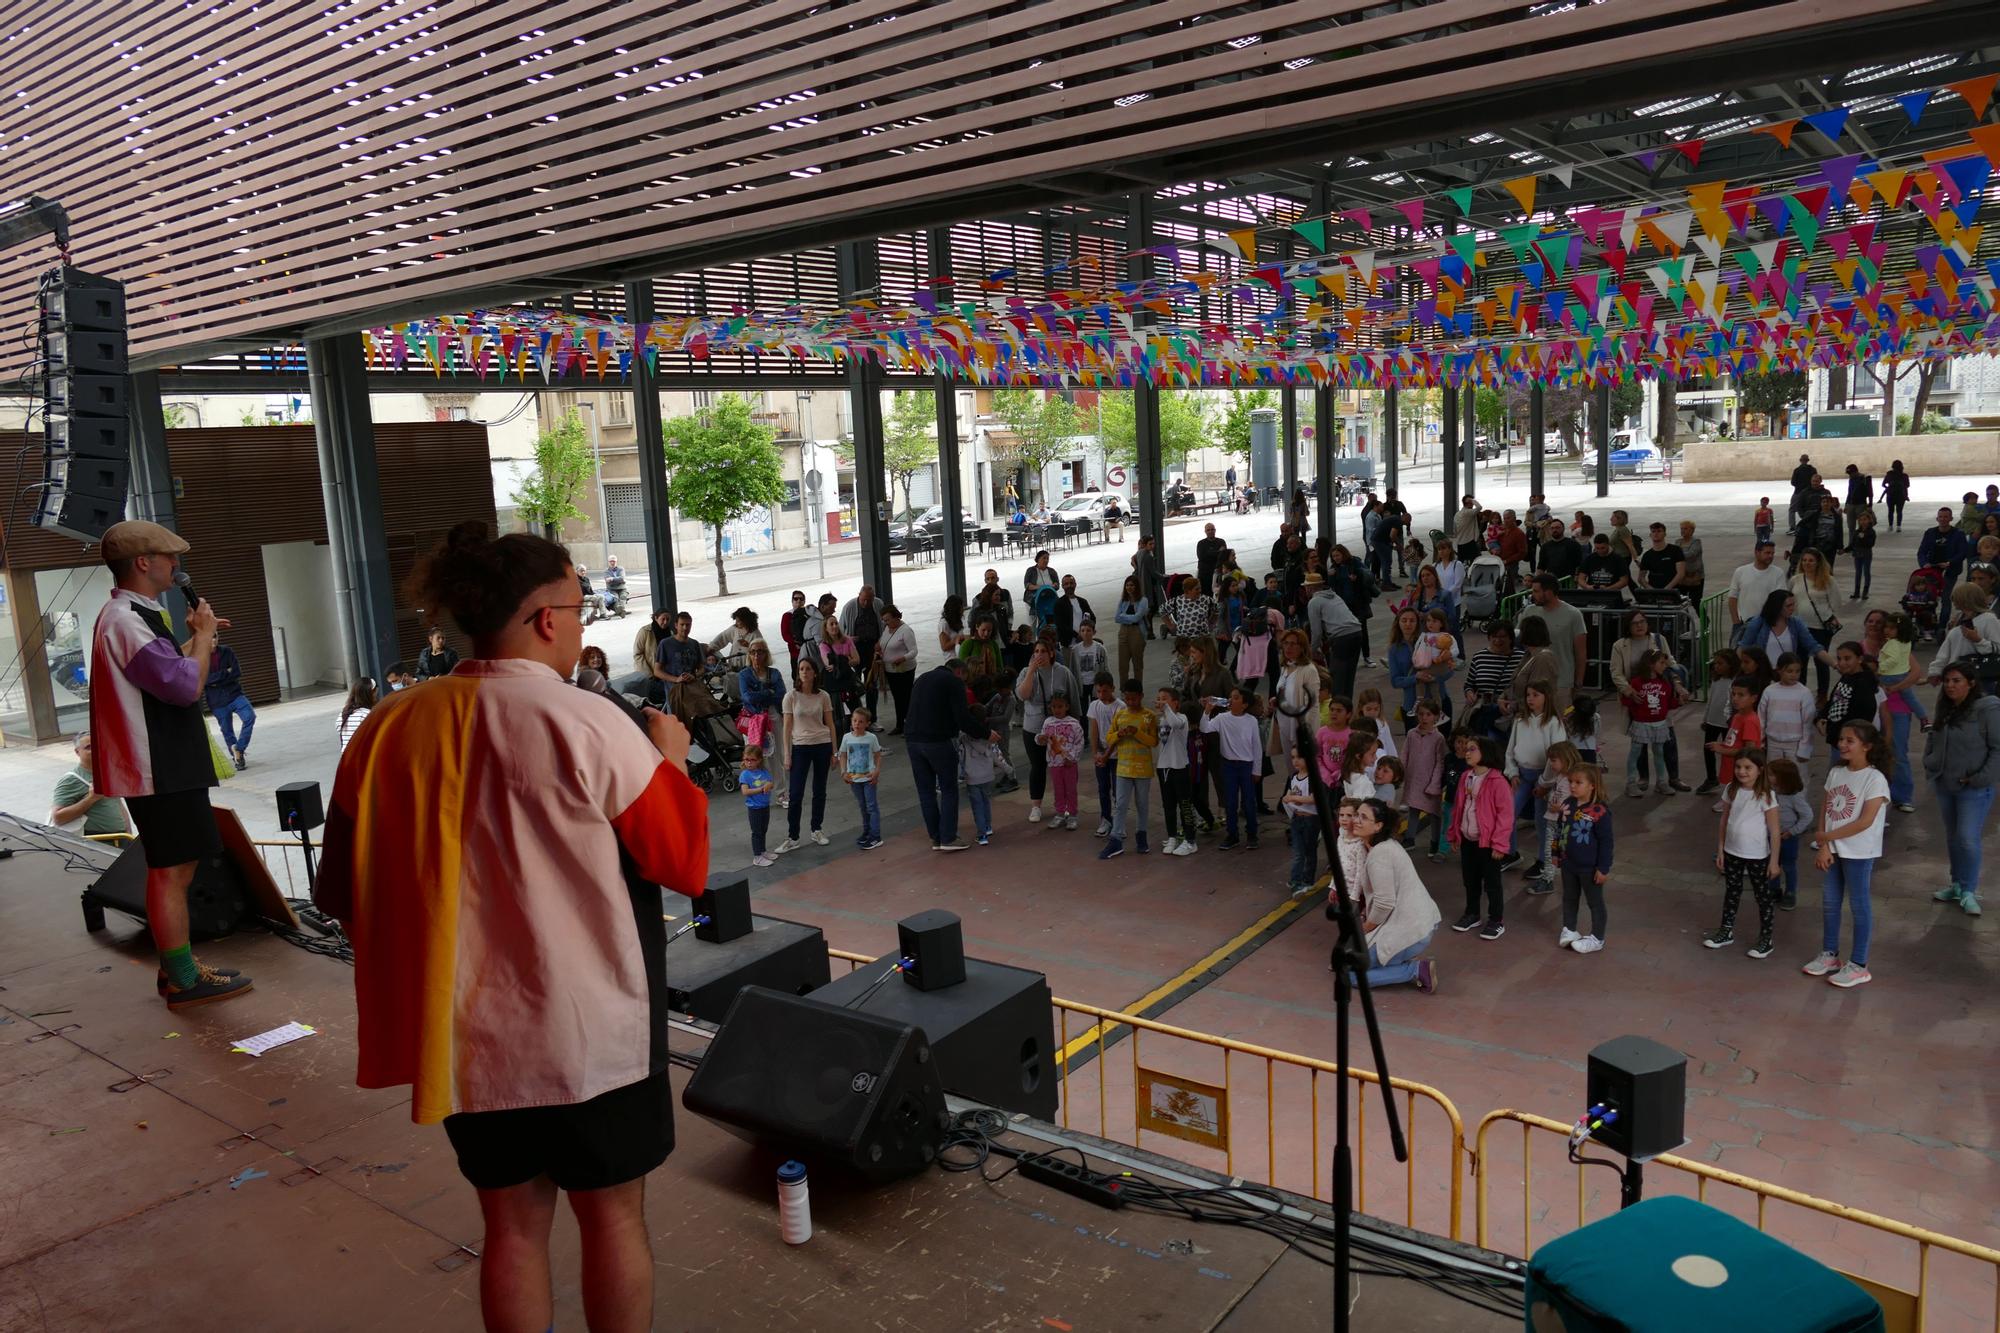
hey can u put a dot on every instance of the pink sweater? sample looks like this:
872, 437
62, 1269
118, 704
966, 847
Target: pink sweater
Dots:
1494, 812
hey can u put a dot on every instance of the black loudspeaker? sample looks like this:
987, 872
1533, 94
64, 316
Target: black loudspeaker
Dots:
993, 1034
217, 901
86, 462
726, 904
1646, 1084
299, 807
703, 977
933, 949
849, 1089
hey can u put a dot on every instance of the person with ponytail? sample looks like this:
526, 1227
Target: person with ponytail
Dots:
1853, 817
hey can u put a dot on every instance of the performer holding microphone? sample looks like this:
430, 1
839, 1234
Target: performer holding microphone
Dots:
495, 845
151, 744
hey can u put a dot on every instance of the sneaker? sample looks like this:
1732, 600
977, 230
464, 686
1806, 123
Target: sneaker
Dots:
1250, 846
1763, 948
1302, 890
985, 839
1708, 788
1538, 887
1035, 814
1070, 823
1493, 930
1112, 847
1969, 902
1789, 903
1588, 944
784, 800
1850, 976
1567, 938
1140, 840
209, 985
1534, 871
765, 860
953, 846
1510, 860
819, 838
160, 980
1907, 809
1427, 976
1950, 893
788, 845
1719, 939
241, 760
1437, 858
1209, 826
1467, 922
1822, 965
1103, 828
1635, 789
1187, 848
1229, 844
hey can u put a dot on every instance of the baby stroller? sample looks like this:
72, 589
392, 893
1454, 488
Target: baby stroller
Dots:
1042, 604
1479, 595
715, 753
1923, 602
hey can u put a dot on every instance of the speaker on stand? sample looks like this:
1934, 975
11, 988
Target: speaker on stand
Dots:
86, 454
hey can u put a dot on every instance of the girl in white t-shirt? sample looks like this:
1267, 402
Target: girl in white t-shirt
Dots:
1853, 816
1746, 848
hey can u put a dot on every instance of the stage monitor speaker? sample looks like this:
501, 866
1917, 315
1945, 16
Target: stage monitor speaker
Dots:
217, 900
1646, 1083
849, 1089
933, 947
726, 904
299, 807
703, 977
993, 1033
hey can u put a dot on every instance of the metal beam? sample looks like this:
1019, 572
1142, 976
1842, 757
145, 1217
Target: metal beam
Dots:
151, 491
352, 489
1469, 400
861, 273
1288, 429
1324, 408
951, 483
1600, 436
1449, 455
1391, 441
1147, 490
1537, 467
654, 497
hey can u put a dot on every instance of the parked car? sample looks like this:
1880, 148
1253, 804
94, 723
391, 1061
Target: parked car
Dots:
928, 523
1640, 460
1090, 505
1485, 447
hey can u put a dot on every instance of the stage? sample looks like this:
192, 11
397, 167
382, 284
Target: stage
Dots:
150, 1177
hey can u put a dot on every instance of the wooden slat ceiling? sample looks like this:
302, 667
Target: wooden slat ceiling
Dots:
255, 171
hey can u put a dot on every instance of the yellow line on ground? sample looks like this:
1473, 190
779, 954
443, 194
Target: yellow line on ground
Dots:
1168, 987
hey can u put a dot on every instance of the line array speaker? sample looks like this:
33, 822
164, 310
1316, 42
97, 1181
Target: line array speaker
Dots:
86, 457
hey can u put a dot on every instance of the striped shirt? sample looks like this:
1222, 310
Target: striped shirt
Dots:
145, 703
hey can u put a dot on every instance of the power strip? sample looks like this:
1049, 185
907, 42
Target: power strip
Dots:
1070, 1178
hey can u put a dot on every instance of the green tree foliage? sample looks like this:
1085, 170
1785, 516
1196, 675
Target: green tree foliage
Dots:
1042, 425
1184, 427
1490, 410
908, 443
1934, 423
1232, 430
1770, 394
547, 496
721, 463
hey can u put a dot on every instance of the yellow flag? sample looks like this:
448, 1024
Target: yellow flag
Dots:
1523, 190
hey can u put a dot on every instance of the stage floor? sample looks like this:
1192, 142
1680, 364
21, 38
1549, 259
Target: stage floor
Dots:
149, 1177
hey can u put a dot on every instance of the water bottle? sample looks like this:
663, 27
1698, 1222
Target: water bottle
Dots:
794, 1207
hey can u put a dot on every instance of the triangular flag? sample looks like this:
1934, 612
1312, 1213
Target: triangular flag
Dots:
1466, 243
1246, 243
1829, 122
1565, 174
1523, 190
1804, 225
1360, 217
1691, 150
1781, 131
1988, 139
1462, 196
1314, 232
1978, 93
1913, 104
1413, 212
1839, 171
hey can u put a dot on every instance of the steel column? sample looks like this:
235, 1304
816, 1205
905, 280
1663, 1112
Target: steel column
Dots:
352, 489
1469, 402
860, 275
655, 501
1449, 457
1537, 469
1600, 436
1288, 429
1391, 442
1146, 494
951, 484
1324, 408
152, 486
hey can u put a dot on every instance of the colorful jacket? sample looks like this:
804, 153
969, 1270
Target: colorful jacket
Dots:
1494, 812
1584, 837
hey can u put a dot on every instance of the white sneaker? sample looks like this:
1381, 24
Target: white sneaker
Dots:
784, 800
1822, 965
1103, 828
1567, 938
765, 860
788, 845
1588, 944
1034, 814
1070, 823
1850, 975
819, 837
1187, 847
1170, 847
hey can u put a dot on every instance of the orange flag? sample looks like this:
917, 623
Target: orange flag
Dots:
1246, 243
1523, 190
1978, 93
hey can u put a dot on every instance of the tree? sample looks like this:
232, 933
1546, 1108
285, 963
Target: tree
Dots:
1042, 425
1489, 411
547, 496
1888, 374
1927, 372
908, 444
1183, 427
1232, 432
1770, 393
1668, 410
720, 464
174, 416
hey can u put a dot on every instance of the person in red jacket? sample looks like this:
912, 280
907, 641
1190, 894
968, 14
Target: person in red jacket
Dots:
1513, 548
1482, 828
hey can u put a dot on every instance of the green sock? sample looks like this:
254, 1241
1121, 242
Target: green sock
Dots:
179, 965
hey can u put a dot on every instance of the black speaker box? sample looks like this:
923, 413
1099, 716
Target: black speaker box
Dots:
86, 351
90, 437
89, 395
77, 513
994, 1033
726, 904
85, 301
217, 900
299, 807
104, 478
848, 1089
704, 976
1646, 1083
933, 946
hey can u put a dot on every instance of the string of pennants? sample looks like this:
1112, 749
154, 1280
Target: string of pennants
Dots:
1735, 280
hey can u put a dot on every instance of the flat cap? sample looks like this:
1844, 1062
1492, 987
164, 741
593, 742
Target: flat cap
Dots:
136, 537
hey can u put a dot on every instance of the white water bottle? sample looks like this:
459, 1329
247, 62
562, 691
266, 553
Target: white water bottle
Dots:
794, 1207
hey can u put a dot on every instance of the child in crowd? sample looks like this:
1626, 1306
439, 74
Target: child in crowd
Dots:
1103, 707
1357, 766
1433, 652
1242, 752
1795, 818
1753, 669
1745, 731
1580, 721
1892, 665
1853, 696
1746, 849
1455, 766
1423, 771
1334, 733
1251, 647
1648, 707
1785, 712
1063, 735
1368, 708
1170, 763
975, 766
860, 765
1388, 777
1861, 551
1274, 597
1536, 729
1352, 853
1482, 828
1583, 850
1764, 521
1129, 740
1303, 821
1853, 818
757, 784
1088, 657
1552, 791
1715, 716
1000, 716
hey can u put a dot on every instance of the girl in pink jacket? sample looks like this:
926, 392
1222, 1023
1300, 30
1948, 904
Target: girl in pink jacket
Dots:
1482, 828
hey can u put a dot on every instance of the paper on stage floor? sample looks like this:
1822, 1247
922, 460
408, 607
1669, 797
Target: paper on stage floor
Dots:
265, 1041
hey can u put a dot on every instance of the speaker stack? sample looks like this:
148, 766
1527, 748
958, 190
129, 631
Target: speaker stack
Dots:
731, 947
87, 428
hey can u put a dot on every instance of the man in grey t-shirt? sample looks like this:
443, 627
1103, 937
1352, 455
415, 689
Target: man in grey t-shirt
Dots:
1568, 639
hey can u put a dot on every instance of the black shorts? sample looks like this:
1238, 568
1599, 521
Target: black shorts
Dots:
608, 1140
175, 827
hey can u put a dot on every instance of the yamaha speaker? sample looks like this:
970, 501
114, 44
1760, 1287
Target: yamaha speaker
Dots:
218, 900
726, 904
704, 976
848, 1089
993, 1034
933, 949
1646, 1084
299, 807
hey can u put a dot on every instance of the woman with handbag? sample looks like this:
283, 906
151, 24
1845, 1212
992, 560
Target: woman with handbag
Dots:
1973, 639
1813, 586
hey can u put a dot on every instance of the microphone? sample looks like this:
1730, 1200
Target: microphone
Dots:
186, 585
591, 679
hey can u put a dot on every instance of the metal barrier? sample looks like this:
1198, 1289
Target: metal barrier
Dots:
1905, 1309
1716, 633
284, 865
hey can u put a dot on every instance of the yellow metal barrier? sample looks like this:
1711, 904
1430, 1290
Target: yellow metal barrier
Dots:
1905, 1309
1198, 1111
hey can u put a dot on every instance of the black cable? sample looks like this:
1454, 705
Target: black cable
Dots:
1579, 1159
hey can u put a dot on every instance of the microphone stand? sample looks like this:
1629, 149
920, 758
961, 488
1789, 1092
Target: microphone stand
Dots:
1350, 958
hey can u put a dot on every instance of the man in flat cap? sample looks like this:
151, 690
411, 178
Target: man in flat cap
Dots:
152, 746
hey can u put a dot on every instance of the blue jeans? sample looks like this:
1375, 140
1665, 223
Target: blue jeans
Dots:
1239, 795
1851, 879
870, 803
1527, 805
227, 716
1131, 791
934, 765
1964, 813
760, 827
980, 796
1916, 704
809, 761
1864, 574
1106, 782
1788, 865
1902, 781
1400, 969
1305, 850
